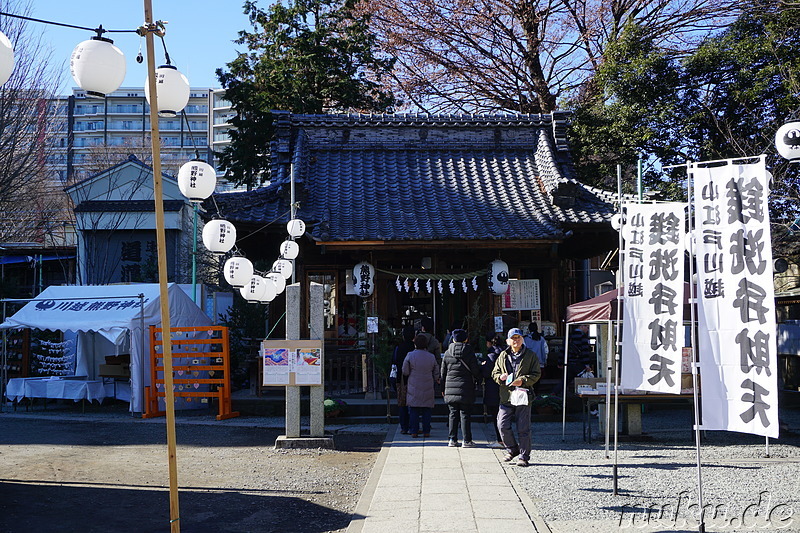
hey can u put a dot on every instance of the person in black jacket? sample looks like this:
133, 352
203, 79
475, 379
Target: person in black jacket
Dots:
460, 370
491, 390
399, 355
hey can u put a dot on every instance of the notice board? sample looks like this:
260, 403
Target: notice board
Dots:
522, 295
287, 362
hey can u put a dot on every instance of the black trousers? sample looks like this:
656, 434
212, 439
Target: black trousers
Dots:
462, 411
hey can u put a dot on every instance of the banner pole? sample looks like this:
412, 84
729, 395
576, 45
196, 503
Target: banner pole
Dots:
609, 369
695, 365
564, 397
618, 344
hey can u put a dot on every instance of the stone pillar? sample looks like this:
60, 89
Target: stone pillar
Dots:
293, 334
317, 331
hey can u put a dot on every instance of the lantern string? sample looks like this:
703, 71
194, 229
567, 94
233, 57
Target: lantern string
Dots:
191, 136
166, 54
99, 30
445, 277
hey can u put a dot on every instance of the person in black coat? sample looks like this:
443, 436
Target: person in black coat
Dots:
460, 370
491, 390
398, 357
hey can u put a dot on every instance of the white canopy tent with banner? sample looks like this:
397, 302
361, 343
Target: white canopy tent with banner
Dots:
103, 316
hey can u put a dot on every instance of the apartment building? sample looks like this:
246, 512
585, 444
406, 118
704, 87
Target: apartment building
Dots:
90, 134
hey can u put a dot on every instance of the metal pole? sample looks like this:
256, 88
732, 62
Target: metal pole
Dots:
4, 370
609, 369
639, 188
161, 245
564, 397
618, 344
194, 253
292, 209
695, 365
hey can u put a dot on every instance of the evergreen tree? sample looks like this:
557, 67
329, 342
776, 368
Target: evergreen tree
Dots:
307, 56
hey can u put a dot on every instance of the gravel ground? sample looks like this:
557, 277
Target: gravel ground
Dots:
739, 482
104, 471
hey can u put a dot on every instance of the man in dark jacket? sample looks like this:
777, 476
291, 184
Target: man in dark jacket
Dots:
516, 367
460, 370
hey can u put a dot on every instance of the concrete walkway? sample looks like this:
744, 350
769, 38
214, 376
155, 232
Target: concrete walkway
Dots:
420, 485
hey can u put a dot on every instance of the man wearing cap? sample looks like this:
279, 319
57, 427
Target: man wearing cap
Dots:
516, 367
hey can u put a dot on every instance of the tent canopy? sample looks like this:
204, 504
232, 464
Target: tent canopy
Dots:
604, 307
109, 310
104, 307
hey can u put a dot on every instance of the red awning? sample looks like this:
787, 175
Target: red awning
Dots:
604, 307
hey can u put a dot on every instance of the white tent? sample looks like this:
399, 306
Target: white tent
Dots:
111, 311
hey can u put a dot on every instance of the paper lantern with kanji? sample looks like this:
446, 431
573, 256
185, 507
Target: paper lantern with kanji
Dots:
364, 279
270, 291
283, 267
296, 227
172, 91
254, 291
219, 236
197, 180
280, 282
238, 271
289, 250
498, 277
97, 66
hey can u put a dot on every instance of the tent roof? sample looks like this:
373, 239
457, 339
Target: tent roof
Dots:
598, 309
104, 307
603, 308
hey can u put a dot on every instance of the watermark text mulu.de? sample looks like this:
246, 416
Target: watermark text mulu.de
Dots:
683, 512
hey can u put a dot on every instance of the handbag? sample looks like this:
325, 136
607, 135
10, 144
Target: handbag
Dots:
519, 396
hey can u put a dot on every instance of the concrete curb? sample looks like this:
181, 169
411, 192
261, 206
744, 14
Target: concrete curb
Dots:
365, 500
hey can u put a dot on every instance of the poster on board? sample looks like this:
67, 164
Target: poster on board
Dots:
286, 362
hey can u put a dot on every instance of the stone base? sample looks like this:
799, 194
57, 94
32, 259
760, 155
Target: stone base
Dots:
284, 442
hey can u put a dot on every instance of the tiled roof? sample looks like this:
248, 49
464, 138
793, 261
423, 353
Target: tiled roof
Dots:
420, 177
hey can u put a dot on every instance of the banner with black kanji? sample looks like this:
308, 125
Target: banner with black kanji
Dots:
653, 296
736, 310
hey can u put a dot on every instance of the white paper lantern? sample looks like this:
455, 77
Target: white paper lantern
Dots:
97, 66
238, 271
787, 141
296, 227
364, 279
270, 291
172, 90
289, 250
616, 221
254, 290
6, 58
197, 180
219, 236
278, 280
283, 267
498, 276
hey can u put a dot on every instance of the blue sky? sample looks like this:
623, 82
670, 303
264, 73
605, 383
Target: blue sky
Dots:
199, 34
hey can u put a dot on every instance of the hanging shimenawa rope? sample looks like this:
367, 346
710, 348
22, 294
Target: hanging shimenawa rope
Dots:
445, 277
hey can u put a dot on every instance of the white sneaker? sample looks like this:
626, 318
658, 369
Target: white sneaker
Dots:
468, 444
496, 445
453, 444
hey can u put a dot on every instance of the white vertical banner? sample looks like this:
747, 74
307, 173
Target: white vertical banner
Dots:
736, 312
653, 297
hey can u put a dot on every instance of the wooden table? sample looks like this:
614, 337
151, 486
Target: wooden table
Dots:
633, 408
63, 389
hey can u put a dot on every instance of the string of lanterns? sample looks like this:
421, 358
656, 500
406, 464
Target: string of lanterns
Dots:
99, 68
363, 279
